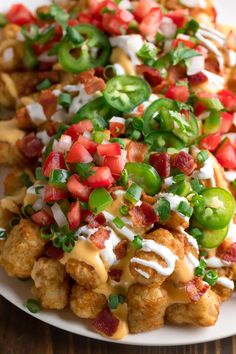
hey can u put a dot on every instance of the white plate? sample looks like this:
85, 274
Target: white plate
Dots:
17, 291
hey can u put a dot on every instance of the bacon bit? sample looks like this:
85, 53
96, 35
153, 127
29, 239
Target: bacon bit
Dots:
196, 288
150, 74
197, 79
91, 82
176, 73
143, 215
51, 127
85, 76
99, 237
49, 102
136, 151
161, 162
53, 252
231, 41
23, 119
30, 145
53, 76
160, 88
227, 251
212, 64
199, 108
115, 274
183, 162
106, 323
95, 221
121, 249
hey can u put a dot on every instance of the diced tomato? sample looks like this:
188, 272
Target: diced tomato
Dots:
54, 161
78, 153
183, 162
161, 162
101, 178
19, 15
179, 93
89, 145
226, 154
74, 215
73, 22
111, 149
76, 129
115, 163
78, 189
42, 218
186, 42
210, 142
199, 108
228, 99
118, 22
151, 22
143, 7
197, 79
150, 74
116, 128
226, 122
179, 17
52, 194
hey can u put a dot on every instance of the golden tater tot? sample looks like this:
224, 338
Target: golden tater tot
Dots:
83, 273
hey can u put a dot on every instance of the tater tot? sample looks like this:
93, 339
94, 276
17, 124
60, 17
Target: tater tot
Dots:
162, 237
51, 285
86, 303
223, 292
10, 155
83, 273
146, 307
176, 221
22, 247
203, 313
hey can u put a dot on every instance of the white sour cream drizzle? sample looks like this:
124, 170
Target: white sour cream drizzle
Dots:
216, 262
230, 175
125, 231
174, 201
231, 235
191, 239
192, 260
194, 3
168, 256
211, 46
227, 283
207, 172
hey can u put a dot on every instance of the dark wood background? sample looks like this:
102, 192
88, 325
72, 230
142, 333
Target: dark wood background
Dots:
22, 334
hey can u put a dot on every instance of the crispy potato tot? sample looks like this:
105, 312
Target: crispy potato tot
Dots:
223, 292
22, 247
86, 303
146, 307
175, 221
162, 237
51, 284
84, 274
14, 181
204, 313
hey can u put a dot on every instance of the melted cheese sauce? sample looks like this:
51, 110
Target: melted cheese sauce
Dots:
9, 131
121, 313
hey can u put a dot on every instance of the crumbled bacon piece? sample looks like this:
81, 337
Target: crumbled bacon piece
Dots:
115, 274
136, 151
227, 251
49, 102
30, 145
99, 237
53, 76
212, 64
197, 79
95, 220
183, 162
150, 74
161, 162
196, 288
91, 82
53, 252
106, 322
23, 119
121, 249
143, 215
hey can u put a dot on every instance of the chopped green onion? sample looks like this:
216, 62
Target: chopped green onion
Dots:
64, 99
118, 140
196, 233
3, 20
84, 205
180, 188
124, 178
99, 200
43, 85
118, 222
135, 135
203, 253
163, 209
199, 271
59, 178
133, 193
138, 123
30, 58
3, 234
68, 246
198, 200
25, 179
59, 14
14, 221
39, 174
43, 15
113, 301
46, 233
74, 35
196, 185
191, 27
234, 183
179, 178
33, 305
121, 299
124, 210
99, 136
202, 156
185, 209
211, 277
137, 242
28, 210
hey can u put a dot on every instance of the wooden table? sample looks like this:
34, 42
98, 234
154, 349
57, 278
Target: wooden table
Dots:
22, 334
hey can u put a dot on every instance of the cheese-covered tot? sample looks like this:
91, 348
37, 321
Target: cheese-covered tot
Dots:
51, 285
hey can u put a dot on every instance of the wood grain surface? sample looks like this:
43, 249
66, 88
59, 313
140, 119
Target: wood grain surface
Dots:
22, 334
